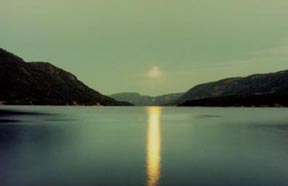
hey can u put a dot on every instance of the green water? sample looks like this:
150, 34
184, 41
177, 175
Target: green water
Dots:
138, 146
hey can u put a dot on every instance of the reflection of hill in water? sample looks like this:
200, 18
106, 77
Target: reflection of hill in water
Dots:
18, 126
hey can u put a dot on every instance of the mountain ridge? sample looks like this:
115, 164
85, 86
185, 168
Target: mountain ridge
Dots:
256, 84
41, 83
144, 100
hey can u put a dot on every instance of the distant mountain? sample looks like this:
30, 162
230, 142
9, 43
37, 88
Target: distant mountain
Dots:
41, 83
238, 89
142, 100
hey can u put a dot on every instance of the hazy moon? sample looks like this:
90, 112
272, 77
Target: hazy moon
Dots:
154, 72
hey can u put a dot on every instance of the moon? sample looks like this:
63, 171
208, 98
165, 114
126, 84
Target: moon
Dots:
154, 72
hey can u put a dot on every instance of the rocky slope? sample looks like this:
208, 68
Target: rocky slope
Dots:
41, 83
268, 85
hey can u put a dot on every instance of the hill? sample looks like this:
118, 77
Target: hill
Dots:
238, 89
268, 100
142, 100
41, 83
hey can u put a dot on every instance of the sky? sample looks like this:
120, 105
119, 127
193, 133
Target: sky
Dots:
151, 47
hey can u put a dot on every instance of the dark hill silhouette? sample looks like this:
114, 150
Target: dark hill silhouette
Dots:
249, 90
41, 83
268, 100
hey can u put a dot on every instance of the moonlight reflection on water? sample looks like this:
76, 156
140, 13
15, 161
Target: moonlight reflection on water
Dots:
153, 146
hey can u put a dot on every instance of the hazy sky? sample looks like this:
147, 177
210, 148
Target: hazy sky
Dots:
112, 44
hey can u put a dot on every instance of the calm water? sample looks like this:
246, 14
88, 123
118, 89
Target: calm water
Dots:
138, 146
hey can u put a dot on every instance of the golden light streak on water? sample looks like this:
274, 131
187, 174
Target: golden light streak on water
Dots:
153, 156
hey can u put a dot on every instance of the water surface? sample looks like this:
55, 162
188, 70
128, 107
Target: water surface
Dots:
153, 146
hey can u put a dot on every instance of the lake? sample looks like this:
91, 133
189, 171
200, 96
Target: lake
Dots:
143, 146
